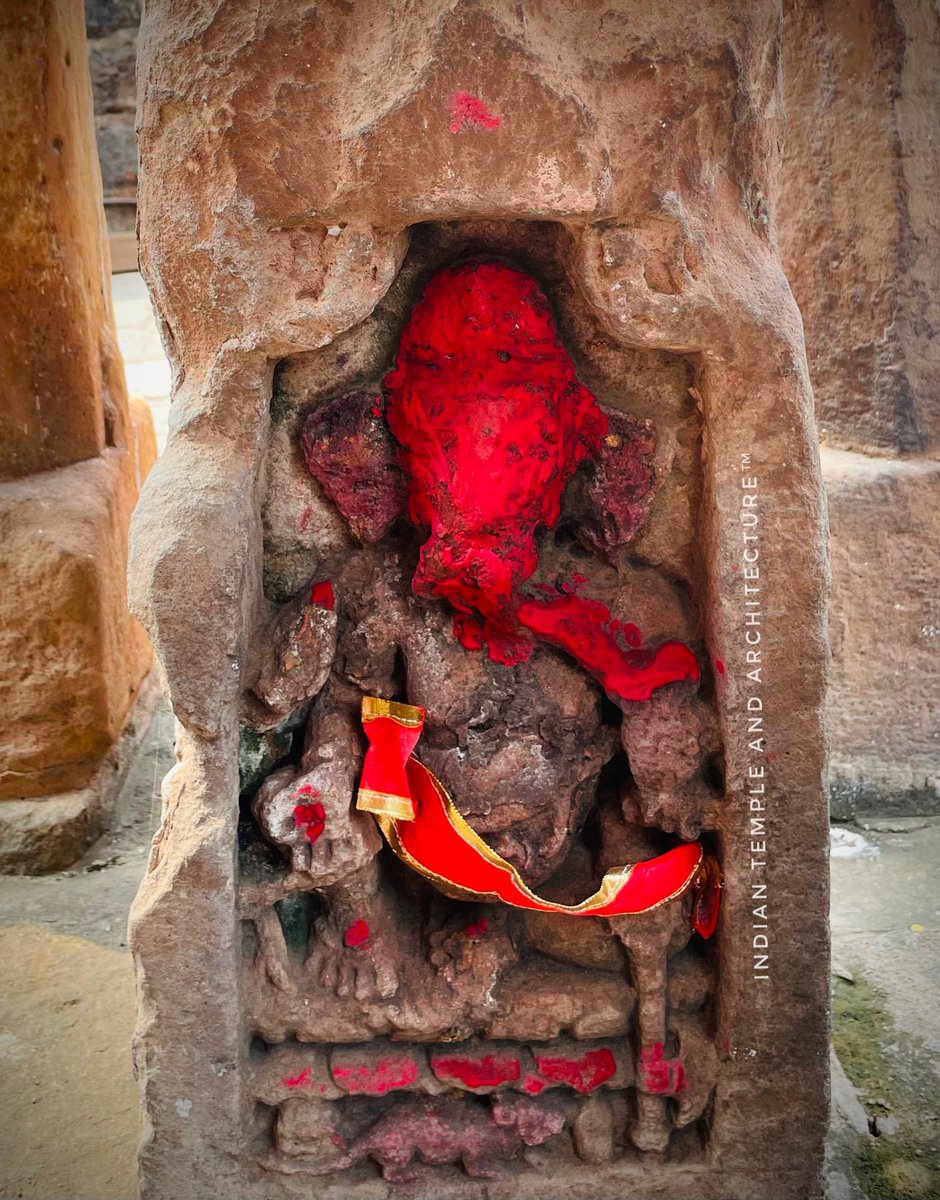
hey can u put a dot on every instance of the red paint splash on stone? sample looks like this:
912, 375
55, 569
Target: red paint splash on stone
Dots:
491, 423
771, 757
489, 1071
658, 1075
367, 1079
582, 628
470, 111
719, 666
632, 635
583, 1074
311, 818
305, 518
356, 935
296, 1081
321, 594
533, 1085
476, 929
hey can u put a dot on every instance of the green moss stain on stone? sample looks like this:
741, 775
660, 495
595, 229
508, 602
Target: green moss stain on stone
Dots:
893, 1073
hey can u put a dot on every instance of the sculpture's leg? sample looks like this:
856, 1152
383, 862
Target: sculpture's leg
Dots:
647, 940
355, 949
272, 950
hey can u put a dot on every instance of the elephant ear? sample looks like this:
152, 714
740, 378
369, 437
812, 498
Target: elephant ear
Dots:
352, 455
609, 500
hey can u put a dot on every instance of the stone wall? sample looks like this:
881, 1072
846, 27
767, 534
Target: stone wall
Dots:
859, 226
73, 453
111, 27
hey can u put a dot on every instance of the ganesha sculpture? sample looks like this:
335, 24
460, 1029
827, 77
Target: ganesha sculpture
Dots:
467, 682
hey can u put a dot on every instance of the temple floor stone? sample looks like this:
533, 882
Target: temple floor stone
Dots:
68, 1111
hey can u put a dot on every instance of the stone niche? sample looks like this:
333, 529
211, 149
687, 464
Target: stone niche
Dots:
313, 1015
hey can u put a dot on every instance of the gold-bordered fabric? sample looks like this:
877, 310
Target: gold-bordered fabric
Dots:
408, 715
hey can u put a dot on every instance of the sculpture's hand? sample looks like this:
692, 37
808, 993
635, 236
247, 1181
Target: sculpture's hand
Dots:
298, 651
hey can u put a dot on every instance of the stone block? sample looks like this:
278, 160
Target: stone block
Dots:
49, 833
858, 216
112, 61
117, 152
79, 656
72, 452
883, 706
62, 397
40, 836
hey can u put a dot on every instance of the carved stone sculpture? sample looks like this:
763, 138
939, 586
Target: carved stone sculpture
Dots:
518, 514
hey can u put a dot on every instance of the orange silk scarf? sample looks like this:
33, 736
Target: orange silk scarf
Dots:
424, 828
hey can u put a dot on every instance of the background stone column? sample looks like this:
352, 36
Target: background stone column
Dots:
859, 227
73, 453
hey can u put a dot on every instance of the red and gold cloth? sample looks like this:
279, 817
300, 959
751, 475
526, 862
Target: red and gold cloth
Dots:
424, 828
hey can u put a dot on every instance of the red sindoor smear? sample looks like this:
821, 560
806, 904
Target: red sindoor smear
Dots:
356, 935
468, 110
296, 1081
488, 1071
584, 1074
491, 423
582, 628
658, 1075
321, 594
311, 818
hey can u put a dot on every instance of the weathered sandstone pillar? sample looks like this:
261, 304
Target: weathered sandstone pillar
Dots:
858, 215
315, 1014
72, 455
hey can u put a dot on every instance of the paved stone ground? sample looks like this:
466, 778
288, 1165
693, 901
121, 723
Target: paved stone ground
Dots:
68, 1103
68, 1100
886, 1009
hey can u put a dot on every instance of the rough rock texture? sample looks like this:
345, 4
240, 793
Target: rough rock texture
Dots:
624, 158
883, 705
111, 26
858, 220
859, 216
73, 452
74, 659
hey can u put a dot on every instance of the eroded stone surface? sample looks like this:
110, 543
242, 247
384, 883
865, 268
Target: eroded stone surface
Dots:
885, 633
858, 217
350, 451
73, 451
675, 312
